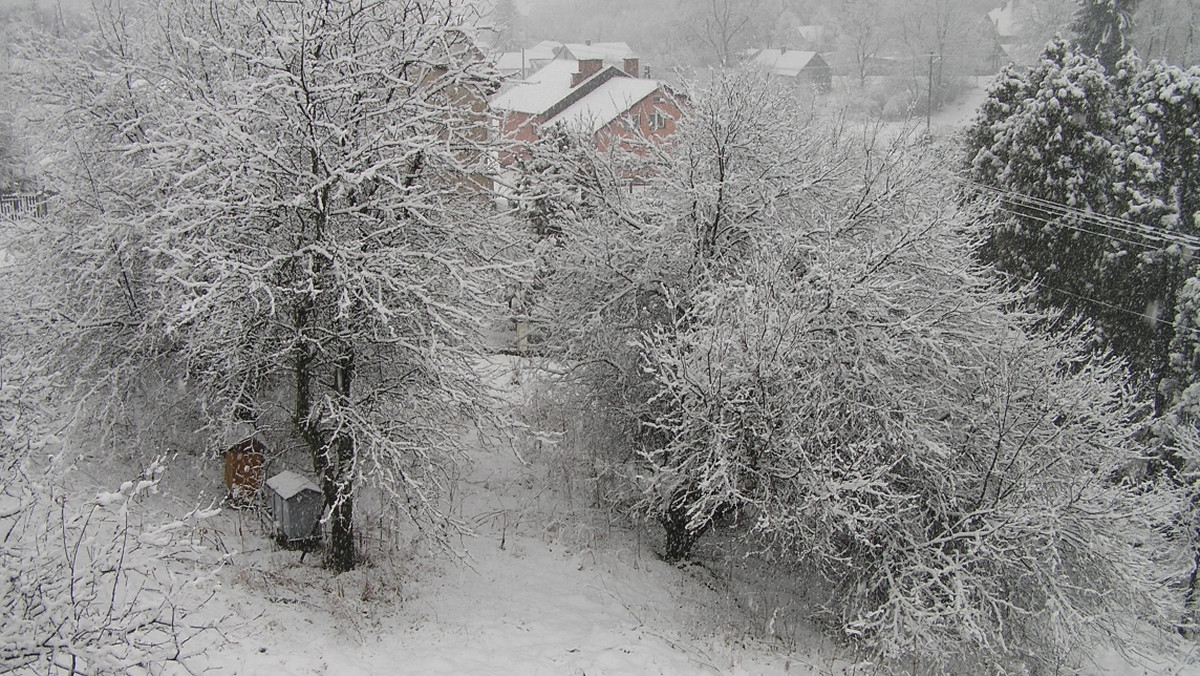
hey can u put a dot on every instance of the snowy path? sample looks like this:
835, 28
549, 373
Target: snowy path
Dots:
546, 603
554, 600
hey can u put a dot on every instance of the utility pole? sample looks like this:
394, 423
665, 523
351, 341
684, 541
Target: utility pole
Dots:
929, 97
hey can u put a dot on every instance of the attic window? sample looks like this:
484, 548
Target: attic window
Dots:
658, 121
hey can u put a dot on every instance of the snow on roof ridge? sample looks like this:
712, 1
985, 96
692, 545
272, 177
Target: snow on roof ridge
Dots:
610, 51
606, 103
781, 61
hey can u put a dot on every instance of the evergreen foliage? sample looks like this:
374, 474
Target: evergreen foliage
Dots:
1082, 164
1102, 29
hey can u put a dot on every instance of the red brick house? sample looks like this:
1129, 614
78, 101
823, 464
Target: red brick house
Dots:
605, 101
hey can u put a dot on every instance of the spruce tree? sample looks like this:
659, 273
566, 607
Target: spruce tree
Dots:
1102, 29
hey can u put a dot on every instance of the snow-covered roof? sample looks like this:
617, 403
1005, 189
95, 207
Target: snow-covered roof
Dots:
541, 90
546, 47
1005, 20
289, 484
785, 62
605, 103
610, 52
512, 62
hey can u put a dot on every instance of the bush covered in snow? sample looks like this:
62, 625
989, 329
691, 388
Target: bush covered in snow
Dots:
790, 329
91, 584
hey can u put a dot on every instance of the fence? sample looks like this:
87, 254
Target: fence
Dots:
19, 205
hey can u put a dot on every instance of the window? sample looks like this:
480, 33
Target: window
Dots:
658, 121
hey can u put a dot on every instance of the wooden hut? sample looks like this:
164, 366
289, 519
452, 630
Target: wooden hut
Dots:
296, 507
244, 470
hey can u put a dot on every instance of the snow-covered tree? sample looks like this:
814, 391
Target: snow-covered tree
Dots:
1048, 144
1102, 29
508, 24
1163, 113
1167, 30
283, 203
864, 32
745, 155
856, 399
721, 26
788, 327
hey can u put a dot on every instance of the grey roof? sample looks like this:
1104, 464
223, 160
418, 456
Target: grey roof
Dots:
289, 484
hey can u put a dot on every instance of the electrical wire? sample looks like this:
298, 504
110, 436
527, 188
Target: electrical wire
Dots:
1121, 225
1088, 218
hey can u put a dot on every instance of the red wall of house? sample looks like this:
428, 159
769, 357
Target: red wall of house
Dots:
642, 110
522, 128
516, 128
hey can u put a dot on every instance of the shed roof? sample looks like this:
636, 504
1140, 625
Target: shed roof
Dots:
785, 62
250, 445
606, 103
289, 484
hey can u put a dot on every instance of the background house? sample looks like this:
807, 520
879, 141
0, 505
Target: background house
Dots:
521, 63
800, 67
611, 53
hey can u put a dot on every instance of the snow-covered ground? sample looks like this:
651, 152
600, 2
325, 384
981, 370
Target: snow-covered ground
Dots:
540, 589
537, 591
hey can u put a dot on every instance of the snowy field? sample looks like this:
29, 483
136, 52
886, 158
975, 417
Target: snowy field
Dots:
536, 591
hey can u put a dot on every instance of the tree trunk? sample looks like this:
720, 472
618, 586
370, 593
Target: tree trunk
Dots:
341, 532
341, 517
680, 538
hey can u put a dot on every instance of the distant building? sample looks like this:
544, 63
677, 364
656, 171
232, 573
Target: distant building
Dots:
611, 53
520, 64
1007, 33
800, 67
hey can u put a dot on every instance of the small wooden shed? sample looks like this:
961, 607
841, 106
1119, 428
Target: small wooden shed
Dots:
244, 470
296, 506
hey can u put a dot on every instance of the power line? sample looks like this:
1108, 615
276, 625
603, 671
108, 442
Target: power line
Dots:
1093, 219
1089, 218
1141, 315
1069, 226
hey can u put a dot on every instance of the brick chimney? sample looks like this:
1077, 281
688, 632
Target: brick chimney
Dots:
587, 68
630, 66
